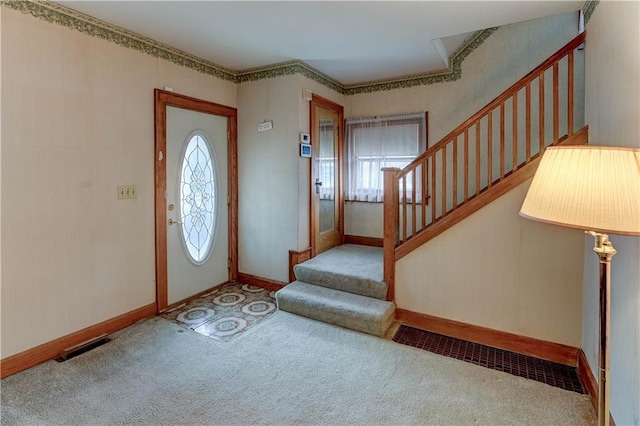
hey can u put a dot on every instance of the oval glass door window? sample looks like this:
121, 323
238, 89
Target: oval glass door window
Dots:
198, 198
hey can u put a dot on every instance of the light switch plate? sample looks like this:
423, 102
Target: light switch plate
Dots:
126, 192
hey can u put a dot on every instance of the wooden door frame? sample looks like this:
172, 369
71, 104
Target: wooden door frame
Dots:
338, 109
163, 99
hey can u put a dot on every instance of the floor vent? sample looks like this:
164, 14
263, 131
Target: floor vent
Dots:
74, 351
551, 373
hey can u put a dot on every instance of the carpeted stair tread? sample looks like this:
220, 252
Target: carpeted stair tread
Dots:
344, 309
352, 268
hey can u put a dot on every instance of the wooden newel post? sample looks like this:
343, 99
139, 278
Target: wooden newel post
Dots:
390, 212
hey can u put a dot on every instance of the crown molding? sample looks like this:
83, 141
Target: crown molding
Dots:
57, 14
588, 8
289, 68
453, 73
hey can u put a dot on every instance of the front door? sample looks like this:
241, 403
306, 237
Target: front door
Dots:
196, 202
196, 196
326, 179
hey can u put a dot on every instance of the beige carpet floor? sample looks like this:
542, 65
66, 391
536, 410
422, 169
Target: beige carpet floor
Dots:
289, 370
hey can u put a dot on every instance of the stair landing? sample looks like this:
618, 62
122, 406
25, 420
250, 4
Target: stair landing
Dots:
352, 268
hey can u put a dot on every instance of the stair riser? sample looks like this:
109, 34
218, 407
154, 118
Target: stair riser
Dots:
360, 313
363, 287
335, 318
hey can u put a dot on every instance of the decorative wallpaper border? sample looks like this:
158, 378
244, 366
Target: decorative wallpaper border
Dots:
289, 68
588, 8
61, 15
454, 72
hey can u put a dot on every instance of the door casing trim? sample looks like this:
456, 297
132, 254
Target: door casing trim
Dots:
163, 99
338, 109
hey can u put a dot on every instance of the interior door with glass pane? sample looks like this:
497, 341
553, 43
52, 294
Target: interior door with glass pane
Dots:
326, 179
197, 185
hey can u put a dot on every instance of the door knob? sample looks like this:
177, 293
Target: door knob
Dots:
318, 185
174, 222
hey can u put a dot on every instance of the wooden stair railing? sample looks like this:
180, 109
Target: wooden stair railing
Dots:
484, 157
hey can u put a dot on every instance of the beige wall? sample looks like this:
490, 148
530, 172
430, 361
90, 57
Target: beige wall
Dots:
498, 270
273, 179
268, 176
77, 122
1, 65
613, 115
363, 219
506, 56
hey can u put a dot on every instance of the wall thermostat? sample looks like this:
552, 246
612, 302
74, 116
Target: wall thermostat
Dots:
304, 138
305, 150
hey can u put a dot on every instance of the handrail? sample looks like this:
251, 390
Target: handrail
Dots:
481, 153
572, 45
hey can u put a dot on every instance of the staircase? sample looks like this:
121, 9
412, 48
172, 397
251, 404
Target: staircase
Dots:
342, 286
492, 152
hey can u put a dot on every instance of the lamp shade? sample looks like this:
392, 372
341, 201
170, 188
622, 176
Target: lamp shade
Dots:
593, 188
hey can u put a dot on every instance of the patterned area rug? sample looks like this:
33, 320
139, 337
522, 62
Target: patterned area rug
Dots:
226, 312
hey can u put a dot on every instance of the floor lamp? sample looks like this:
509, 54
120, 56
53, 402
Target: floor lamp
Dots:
596, 189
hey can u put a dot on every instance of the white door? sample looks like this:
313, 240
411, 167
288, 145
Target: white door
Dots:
197, 210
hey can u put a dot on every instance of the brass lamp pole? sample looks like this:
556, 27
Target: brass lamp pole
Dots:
594, 188
605, 251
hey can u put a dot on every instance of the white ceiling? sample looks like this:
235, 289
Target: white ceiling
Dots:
352, 42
